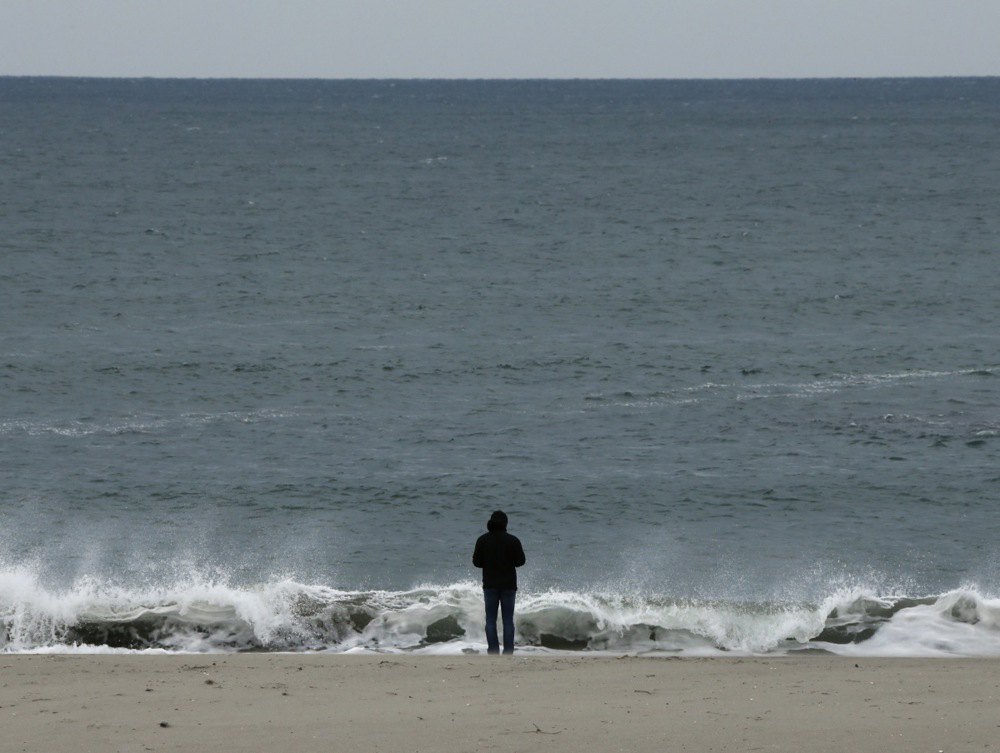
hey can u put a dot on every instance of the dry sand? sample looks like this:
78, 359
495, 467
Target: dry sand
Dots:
403, 703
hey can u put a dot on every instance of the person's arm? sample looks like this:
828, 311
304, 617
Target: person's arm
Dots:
518, 553
477, 554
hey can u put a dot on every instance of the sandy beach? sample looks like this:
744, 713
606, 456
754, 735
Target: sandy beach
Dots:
275, 702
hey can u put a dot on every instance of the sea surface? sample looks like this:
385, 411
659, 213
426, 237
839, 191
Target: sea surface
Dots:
726, 352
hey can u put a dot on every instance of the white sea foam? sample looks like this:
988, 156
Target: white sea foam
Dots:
202, 615
840, 382
134, 424
751, 390
961, 622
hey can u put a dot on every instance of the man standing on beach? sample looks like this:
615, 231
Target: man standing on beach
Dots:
498, 553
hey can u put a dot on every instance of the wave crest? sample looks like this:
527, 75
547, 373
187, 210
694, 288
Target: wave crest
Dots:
285, 615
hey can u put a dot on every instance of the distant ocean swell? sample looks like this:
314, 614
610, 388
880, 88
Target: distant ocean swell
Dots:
286, 615
738, 391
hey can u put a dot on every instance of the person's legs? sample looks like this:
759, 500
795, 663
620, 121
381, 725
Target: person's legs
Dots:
492, 598
507, 609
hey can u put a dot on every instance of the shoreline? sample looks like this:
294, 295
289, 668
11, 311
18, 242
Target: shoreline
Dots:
324, 702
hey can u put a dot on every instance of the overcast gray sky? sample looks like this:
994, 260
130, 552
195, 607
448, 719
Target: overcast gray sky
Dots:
500, 38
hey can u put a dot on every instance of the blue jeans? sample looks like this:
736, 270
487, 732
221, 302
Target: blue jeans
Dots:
503, 598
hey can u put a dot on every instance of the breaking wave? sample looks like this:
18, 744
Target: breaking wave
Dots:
285, 615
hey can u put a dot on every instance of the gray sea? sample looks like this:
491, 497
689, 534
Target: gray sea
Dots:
726, 352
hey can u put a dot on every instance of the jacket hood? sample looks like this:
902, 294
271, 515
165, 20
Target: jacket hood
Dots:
497, 521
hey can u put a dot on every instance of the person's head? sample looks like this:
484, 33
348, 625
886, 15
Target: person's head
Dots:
497, 521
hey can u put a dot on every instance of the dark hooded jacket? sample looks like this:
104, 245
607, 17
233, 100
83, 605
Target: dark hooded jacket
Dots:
498, 553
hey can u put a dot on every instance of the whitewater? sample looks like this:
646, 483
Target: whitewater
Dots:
204, 615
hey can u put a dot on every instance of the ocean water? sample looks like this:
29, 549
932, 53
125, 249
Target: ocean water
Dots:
726, 352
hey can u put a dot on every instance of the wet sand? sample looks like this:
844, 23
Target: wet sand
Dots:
304, 703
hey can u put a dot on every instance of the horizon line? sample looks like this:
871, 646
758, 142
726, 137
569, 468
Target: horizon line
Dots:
862, 77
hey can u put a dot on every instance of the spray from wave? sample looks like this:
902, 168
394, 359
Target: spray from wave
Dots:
203, 615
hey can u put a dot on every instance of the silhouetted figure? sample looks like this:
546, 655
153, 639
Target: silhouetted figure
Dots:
498, 553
